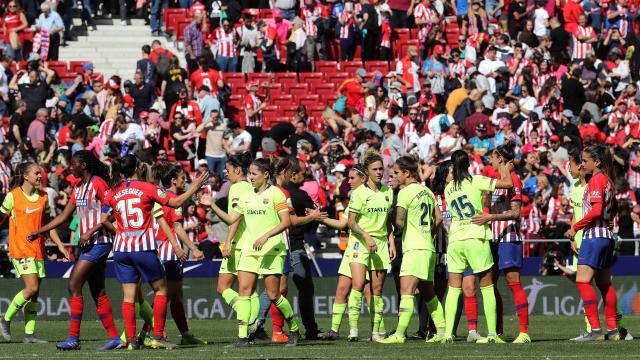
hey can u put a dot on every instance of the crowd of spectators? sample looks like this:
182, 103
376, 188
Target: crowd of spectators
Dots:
550, 76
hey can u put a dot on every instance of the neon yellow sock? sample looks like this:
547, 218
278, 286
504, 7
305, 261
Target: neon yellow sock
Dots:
336, 316
450, 309
489, 304
378, 309
16, 305
355, 304
586, 321
619, 315
285, 309
243, 311
437, 314
255, 307
30, 312
230, 296
146, 312
404, 314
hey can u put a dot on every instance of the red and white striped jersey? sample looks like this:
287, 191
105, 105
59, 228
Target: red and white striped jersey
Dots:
599, 189
171, 216
225, 43
544, 130
459, 68
425, 13
628, 196
506, 230
632, 175
385, 35
252, 102
345, 29
89, 199
581, 48
475, 166
106, 130
615, 119
309, 19
409, 135
132, 203
5, 177
539, 80
189, 221
533, 223
524, 62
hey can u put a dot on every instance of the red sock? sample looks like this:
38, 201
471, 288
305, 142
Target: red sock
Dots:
590, 303
499, 311
129, 317
146, 328
471, 311
177, 313
610, 306
522, 305
106, 316
77, 305
276, 319
159, 314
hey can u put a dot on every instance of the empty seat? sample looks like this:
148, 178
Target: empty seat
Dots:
282, 100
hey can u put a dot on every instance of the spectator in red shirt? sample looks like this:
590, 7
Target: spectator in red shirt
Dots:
353, 89
589, 132
206, 76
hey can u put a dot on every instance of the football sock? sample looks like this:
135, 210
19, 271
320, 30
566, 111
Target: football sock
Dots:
177, 313
619, 315
378, 309
590, 303
30, 312
437, 314
471, 312
243, 312
610, 307
499, 310
522, 305
336, 316
355, 304
105, 313
285, 309
129, 317
405, 312
230, 296
159, 314
277, 320
489, 304
255, 307
586, 321
451, 305
77, 305
146, 312
16, 305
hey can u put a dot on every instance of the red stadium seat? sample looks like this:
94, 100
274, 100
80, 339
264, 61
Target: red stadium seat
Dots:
171, 17
315, 110
326, 67
76, 66
282, 100
311, 77
275, 89
289, 76
265, 14
236, 100
299, 90
180, 26
325, 88
288, 110
60, 67
401, 47
382, 66
337, 78
309, 100
262, 77
413, 33
186, 165
350, 67
402, 34
270, 112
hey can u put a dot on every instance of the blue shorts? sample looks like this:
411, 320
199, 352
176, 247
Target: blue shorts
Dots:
173, 269
597, 253
96, 253
287, 264
133, 266
507, 255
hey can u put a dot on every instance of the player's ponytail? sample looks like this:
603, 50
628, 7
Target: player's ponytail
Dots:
278, 165
21, 170
601, 153
242, 161
92, 165
460, 163
440, 178
123, 168
410, 164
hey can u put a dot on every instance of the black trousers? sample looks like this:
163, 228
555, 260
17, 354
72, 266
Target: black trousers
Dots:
256, 138
54, 47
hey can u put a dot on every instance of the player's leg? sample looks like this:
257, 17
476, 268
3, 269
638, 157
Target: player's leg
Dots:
225, 289
608, 292
589, 260
82, 270
277, 318
339, 305
246, 286
25, 269
435, 309
103, 306
272, 284
451, 302
129, 314
377, 302
478, 251
358, 280
32, 285
153, 273
521, 302
495, 272
471, 306
408, 285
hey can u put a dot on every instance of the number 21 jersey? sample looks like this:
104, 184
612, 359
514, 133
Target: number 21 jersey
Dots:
464, 201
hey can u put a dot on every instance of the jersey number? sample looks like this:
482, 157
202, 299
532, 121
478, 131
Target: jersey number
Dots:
426, 214
131, 215
463, 204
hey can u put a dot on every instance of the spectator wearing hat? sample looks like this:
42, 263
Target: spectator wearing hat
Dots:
193, 42
557, 153
347, 32
436, 69
333, 151
482, 142
50, 22
353, 89
407, 72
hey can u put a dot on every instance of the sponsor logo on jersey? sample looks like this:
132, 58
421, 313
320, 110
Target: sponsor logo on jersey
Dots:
256, 212
162, 194
81, 202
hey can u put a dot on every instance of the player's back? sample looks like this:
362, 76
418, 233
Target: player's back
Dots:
419, 204
88, 198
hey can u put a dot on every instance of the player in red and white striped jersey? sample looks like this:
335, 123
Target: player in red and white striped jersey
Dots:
95, 243
507, 241
135, 253
583, 38
596, 254
174, 177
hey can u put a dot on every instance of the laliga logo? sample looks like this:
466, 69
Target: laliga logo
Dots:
534, 290
630, 301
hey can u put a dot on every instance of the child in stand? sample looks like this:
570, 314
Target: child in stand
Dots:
189, 128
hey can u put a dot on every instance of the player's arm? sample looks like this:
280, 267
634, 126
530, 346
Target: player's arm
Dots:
57, 221
206, 200
437, 219
172, 239
53, 234
356, 229
285, 222
182, 235
505, 182
400, 217
233, 229
338, 224
106, 220
178, 201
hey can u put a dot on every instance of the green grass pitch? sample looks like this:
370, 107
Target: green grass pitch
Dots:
548, 333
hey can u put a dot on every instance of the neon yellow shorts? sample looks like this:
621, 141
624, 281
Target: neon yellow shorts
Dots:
230, 264
261, 265
344, 268
418, 263
473, 253
28, 266
379, 260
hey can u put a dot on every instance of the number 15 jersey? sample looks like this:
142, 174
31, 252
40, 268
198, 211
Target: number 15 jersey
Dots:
464, 201
132, 203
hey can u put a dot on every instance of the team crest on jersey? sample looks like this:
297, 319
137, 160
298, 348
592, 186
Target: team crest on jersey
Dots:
355, 255
162, 194
265, 201
386, 198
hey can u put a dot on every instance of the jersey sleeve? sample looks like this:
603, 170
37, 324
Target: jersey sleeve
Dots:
158, 195
483, 183
157, 211
356, 203
596, 189
7, 204
516, 191
280, 202
403, 200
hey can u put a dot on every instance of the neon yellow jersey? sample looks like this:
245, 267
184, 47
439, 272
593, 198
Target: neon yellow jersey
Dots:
577, 195
261, 211
463, 202
372, 209
236, 193
419, 204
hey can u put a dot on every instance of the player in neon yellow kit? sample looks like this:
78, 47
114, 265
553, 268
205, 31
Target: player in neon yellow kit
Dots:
264, 253
469, 243
418, 215
372, 251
